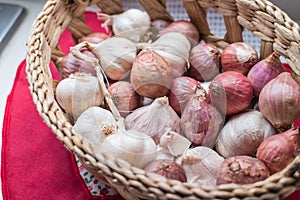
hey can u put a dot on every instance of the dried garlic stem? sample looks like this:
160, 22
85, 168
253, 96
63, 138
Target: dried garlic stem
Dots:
106, 94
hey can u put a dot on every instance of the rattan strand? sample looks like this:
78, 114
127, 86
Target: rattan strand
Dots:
276, 31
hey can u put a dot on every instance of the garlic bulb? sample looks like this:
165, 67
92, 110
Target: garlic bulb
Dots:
154, 119
175, 48
77, 93
201, 165
243, 133
132, 146
95, 124
115, 54
133, 24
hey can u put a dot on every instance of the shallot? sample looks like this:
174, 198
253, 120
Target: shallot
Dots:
94, 38
231, 92
279, 150
239, 56
124, 97
205, 62
182, 89
201, 121
187, 28
151, 75
69, 64
167, 168
264, 71
242, 170
279, 101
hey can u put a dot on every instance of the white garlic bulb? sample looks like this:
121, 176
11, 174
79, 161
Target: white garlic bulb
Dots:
201, 165
175, 48
77, 93
243, 133
133, 24
95, 124
154, 119
132, 146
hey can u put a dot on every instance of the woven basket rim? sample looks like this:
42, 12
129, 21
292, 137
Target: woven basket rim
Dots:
39, 78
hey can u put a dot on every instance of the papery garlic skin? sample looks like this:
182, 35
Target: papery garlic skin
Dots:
175, 48
132, 24
174, 143
132, 146
154, 119
77, 93
95, 124
243, 133
201, 165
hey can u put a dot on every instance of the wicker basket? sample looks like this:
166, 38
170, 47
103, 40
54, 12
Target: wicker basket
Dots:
276, 31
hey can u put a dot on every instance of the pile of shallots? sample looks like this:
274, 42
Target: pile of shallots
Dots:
155, 95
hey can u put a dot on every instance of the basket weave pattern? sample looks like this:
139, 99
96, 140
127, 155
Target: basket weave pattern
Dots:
272, 26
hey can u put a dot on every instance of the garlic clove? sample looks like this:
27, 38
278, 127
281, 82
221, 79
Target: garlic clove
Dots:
201, 165
175, 143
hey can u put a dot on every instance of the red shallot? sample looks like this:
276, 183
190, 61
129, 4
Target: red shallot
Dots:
231, 92
242, 170
151, 75
277, 151
200, 121
239, 56
167, 168
124, 97
183, 88
204, 62
187, 28
279, 101
264, 71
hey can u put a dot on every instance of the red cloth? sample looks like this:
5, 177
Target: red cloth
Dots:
35, 164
